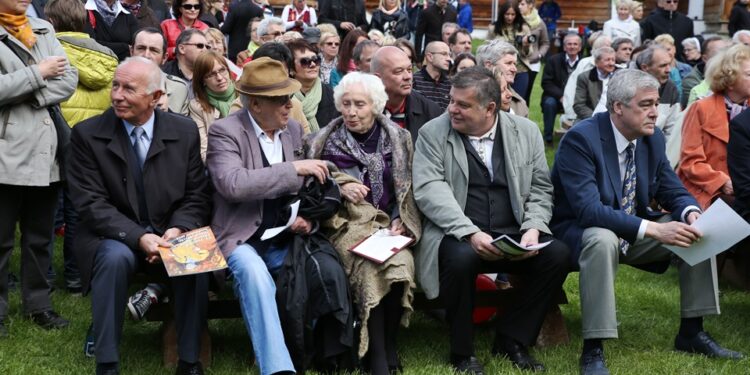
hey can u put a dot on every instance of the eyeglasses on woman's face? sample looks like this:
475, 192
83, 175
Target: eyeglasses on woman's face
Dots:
309, 61
191, 6
221, 72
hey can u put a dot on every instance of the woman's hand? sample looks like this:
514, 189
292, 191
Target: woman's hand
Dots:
53, 66
354, 192
398, 228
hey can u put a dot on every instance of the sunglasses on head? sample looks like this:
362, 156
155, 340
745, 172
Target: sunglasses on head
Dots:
191, 6
308, 61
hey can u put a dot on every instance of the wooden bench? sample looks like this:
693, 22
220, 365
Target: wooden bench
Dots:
554, 331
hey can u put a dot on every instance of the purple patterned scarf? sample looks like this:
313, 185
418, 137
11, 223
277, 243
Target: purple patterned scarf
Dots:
343, 150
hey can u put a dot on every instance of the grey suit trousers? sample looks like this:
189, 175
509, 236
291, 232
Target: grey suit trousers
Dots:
599, 259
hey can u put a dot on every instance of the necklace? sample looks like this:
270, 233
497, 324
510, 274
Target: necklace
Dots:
362, 143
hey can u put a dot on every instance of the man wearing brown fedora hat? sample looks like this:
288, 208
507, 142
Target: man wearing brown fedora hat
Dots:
252, 159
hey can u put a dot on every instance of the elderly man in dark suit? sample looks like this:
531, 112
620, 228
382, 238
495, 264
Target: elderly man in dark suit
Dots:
137, 181
554, 78
607, 172
252, 157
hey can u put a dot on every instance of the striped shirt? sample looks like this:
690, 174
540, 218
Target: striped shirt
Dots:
437, 91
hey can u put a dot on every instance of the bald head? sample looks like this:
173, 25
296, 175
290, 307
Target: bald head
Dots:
146, 69
383, 56
393, 66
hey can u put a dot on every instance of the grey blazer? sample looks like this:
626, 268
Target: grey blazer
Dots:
235, 163
588, 93
442, 179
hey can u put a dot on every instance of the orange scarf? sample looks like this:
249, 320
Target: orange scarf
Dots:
19, 27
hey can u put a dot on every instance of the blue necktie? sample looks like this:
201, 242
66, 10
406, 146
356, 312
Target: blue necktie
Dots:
628, 191
139, 145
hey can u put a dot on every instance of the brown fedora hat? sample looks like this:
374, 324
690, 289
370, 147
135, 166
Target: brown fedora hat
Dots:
266, 77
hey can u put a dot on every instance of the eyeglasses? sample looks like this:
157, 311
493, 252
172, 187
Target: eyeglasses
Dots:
671, 1
332, 44
199, 45
191, 6
308, 61
278, 100
276, 34
440, 53
219, 73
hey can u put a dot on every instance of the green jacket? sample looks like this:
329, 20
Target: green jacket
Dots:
96, 66
441, 186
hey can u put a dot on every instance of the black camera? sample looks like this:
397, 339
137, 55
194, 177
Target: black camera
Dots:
531, 38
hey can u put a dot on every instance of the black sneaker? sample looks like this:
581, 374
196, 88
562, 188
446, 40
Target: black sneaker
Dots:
49, 320
88, 345
139, 304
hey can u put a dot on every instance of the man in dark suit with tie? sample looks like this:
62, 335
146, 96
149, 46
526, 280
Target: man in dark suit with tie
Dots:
608, 170
137, 181
555, 76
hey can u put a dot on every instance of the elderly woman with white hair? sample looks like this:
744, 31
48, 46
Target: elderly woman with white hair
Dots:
370, 158
623, 25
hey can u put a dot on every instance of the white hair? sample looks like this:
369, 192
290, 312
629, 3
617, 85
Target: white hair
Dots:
264, 23
624, 85
494, 50
154, 74
371, 84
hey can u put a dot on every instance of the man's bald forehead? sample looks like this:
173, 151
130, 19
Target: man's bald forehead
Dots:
383, 55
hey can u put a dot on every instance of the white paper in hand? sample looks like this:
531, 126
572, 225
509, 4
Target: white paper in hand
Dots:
721, 228
273, 232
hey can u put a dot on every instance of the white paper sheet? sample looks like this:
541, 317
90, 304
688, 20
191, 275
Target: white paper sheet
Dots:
721, 228
273, 232
379, 246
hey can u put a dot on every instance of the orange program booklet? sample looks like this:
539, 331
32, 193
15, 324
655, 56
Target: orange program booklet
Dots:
193, 252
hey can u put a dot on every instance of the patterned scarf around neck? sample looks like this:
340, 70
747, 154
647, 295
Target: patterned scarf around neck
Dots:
19, 27
734, 109
108, 13
310, 104
343, 150
533, 19
222, 101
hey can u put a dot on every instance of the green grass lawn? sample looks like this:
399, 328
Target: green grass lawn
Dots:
648, 311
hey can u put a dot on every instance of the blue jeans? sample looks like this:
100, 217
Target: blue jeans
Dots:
550, 105
256, 291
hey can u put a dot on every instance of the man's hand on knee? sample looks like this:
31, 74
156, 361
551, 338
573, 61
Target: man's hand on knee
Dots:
673, 233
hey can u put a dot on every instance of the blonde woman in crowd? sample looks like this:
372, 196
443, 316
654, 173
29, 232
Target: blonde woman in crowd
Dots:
623, 25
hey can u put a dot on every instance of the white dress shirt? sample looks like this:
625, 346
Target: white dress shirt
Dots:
272, 148
484, 144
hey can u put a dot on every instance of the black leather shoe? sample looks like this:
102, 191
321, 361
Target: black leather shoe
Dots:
49, 320
519, 356
592, 363
184, 368
3, 329
107, 369
469, 366
704, 344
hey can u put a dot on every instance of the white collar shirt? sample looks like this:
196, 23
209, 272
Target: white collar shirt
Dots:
272, 148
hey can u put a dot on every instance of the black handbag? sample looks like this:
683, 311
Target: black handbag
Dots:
62, 129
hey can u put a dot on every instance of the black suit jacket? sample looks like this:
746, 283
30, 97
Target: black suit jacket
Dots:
430, 26
104, 192
235, 26
738, 161
555, 75
419, 111
337, 11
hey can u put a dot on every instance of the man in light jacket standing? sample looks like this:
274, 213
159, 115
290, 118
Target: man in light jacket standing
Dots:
482, 173
30, 176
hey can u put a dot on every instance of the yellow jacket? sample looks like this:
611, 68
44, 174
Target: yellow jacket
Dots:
96, 66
